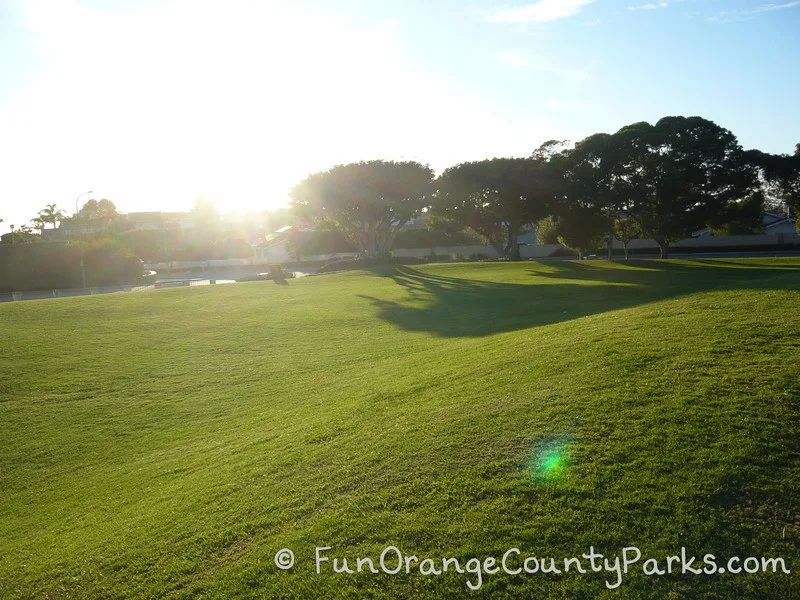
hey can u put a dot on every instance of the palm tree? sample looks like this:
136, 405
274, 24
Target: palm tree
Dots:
38, 223
49, 214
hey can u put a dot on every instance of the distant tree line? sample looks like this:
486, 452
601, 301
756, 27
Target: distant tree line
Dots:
111, 248
99, 221
28, 267
659, 182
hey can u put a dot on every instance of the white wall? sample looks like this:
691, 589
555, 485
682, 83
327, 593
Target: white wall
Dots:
277, 254
717, 241
464, 251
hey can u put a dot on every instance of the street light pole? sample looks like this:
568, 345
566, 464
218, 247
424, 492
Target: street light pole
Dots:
80, 241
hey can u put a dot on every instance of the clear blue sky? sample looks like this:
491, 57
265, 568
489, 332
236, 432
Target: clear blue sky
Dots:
155, 103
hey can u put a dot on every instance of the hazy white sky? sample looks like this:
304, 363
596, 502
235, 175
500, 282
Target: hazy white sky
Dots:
154, 106
152, 103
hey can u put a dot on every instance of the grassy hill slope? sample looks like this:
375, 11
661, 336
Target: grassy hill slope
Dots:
168, 443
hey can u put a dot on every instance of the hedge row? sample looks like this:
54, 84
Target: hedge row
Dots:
56, 265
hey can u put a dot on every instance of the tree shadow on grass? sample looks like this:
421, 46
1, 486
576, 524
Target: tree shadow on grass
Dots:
458, 307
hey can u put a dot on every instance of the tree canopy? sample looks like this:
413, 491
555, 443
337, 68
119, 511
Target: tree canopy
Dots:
593, 192
780, 174
661, 182
51, 214
369, 202
103, 210
679, 173
497, 197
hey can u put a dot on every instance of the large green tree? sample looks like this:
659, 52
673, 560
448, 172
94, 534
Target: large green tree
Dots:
103, 211
679, 174
93, 215
593, 192
497, 197
369, 202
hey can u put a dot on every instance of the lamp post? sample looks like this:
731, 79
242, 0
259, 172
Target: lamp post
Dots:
83, 268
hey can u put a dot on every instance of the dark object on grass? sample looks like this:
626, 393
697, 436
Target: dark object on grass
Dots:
275, 273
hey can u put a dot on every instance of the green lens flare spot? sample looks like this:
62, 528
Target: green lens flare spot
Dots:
552, 462
549, 461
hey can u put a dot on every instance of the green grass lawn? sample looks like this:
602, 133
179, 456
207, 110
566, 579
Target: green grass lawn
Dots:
169, 443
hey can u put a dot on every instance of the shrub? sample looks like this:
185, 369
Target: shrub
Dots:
547, 230
56, 265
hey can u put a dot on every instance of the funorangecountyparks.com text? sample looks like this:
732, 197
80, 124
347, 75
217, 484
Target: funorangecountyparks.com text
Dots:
514, 562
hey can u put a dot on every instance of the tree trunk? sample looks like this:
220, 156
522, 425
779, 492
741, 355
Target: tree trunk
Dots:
496, 240
625, 246
391, 233
663, 246
498, 246
371, 241
373, 246
512, 247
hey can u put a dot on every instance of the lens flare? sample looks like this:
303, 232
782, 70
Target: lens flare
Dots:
550, 460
